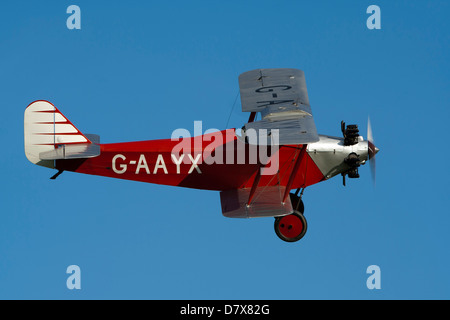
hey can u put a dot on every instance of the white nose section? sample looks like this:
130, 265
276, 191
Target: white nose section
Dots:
329, 154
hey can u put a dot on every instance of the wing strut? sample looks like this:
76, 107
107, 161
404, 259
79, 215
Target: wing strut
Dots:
294, 172
252, 117
254, 186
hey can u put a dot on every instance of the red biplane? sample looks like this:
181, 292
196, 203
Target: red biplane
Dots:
254, 168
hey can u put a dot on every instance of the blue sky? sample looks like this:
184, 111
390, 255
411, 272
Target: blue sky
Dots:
137, 70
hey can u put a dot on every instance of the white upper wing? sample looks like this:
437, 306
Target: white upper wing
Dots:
281, 97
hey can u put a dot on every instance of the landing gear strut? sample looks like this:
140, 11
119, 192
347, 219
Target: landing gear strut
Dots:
292, 227
297, 203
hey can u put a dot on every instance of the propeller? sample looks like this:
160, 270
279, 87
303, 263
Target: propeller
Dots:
351, 137
372, 149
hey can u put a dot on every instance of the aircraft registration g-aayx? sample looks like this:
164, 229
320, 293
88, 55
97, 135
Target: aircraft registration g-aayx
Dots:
254, 170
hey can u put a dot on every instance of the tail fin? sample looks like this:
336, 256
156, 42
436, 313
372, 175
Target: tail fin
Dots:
49, 135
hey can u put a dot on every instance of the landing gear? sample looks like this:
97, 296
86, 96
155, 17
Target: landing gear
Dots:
292, 227
297, 203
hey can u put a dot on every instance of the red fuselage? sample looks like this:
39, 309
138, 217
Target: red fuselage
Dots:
154, 161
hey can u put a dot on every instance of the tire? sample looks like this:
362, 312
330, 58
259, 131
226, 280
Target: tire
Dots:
292, 227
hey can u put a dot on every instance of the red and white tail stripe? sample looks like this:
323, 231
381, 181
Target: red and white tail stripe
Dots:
45, 128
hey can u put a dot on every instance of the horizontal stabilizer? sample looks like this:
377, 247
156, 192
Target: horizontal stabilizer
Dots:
94, 138
72, 151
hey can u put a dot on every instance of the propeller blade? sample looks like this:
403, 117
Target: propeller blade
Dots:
372, 149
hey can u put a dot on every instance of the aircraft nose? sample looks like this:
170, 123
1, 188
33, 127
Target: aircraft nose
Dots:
372, 150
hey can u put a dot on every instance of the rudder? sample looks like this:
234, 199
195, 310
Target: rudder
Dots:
46, 129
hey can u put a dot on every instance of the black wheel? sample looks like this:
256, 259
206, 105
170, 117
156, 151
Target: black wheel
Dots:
296, 206
292, 227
